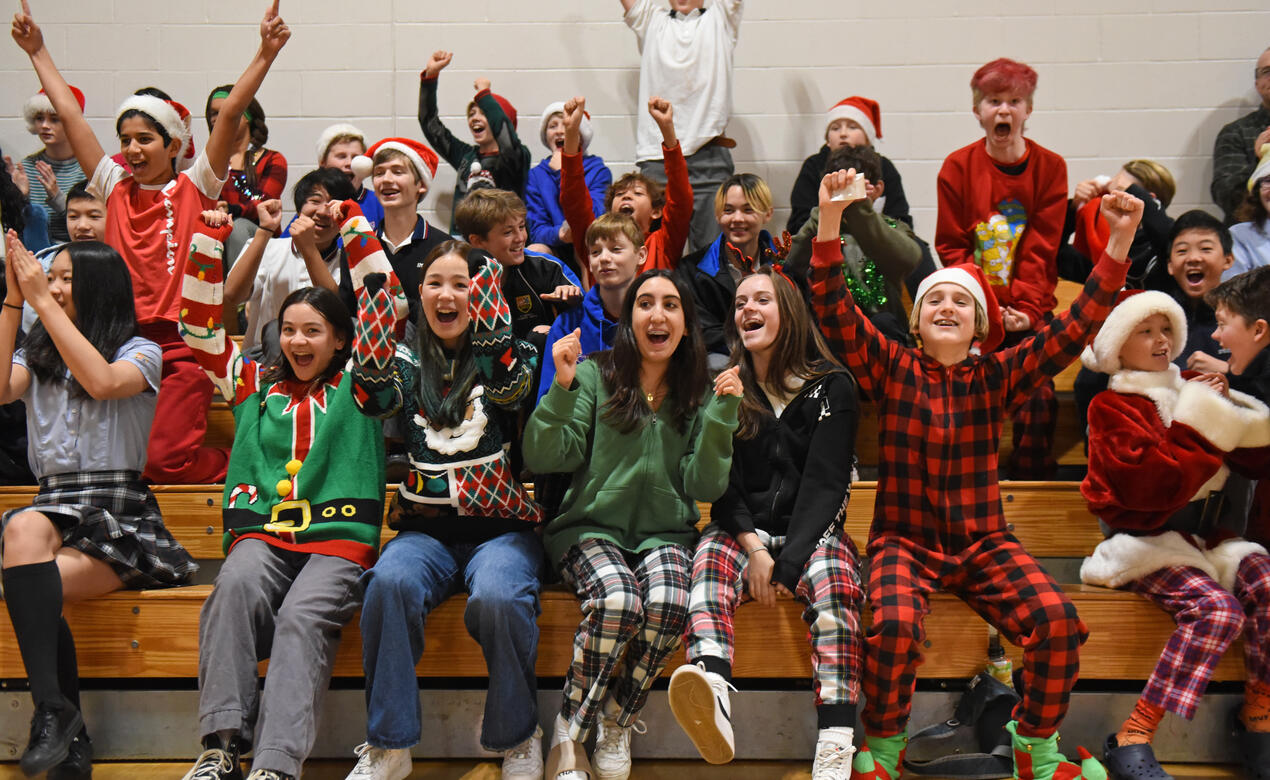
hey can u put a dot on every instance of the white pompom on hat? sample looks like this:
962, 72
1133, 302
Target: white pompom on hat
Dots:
1133, 306
863, 111
423, 159
585, 129
337, 130
169, 114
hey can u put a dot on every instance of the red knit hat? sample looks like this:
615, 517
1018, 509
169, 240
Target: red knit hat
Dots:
972, 279
39, 103
421, 157
864, 112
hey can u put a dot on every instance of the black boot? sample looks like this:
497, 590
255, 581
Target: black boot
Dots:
79, 761
53, 729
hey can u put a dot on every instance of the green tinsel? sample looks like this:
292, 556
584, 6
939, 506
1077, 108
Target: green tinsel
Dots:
870, 290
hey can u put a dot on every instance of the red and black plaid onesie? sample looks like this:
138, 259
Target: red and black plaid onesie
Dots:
937, 522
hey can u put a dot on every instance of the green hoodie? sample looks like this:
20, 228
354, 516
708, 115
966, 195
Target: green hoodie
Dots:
639, 489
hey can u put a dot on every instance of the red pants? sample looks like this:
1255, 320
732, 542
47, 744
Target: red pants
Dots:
176, 452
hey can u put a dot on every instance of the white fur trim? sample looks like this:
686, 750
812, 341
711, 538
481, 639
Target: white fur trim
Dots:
1103, 354
1217, 419
1215, 482
38, 103
160, 111
584, 129
1226, 557
855, 115
1124, 558
1257, 430
463, 437
363, 165
1161, 387
329, 135
954, 275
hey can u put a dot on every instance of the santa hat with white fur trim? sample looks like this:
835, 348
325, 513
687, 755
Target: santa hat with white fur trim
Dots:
585, 128
864, 112
1134, 306
421, 157
972, 279
169, 114
39, 103
337, 130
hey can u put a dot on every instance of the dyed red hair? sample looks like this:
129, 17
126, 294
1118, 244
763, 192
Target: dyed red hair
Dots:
1003, 75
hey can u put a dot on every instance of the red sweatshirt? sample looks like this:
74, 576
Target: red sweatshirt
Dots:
1009, 224
665, 244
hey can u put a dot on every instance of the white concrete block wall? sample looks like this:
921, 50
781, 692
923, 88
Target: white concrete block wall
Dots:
1133, 78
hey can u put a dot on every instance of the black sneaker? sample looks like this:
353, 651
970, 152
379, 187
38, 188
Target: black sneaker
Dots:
79, 760
217, 762
53, 729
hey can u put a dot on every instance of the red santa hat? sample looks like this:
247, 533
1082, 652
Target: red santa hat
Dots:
864, 112
972, 279
585, 128
39, 103
421, 157
337, 130
173, 117
1132, 307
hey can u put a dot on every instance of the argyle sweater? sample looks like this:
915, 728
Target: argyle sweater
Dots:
307, 469
460, 487
940, 426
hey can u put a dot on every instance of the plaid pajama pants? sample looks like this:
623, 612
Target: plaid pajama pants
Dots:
1208, 619
633, 618
829, 587
998, 579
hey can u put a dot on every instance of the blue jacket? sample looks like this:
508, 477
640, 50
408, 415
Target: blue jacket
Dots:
542, 197
597, 334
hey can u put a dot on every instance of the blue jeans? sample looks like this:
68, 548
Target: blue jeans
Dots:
414, 575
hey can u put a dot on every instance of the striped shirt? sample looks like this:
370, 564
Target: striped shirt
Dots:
68, 173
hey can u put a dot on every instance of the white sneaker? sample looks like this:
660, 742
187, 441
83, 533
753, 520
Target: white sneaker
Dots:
833, 755
524, 762
612, 756
699, 700
380, 763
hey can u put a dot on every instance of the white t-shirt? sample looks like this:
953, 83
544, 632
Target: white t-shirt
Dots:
281, 272
688, 61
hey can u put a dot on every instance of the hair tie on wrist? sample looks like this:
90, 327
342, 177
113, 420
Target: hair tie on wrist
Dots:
756, 549
12, 306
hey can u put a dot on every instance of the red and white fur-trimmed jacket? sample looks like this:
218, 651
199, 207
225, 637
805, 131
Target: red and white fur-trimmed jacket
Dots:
1156, 443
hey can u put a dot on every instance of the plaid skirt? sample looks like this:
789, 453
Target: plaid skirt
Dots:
112, 516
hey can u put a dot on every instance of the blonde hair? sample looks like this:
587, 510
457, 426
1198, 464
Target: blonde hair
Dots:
756, 192
1157, 179
981, 317
612, 224
484, 209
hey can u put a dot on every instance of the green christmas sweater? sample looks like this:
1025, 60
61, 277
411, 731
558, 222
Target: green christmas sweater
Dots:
307, 468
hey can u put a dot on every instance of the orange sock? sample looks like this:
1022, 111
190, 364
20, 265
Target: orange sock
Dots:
1140, 728
1256, 711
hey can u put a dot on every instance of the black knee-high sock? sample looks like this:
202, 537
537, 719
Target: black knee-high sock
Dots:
67, 664
33, 595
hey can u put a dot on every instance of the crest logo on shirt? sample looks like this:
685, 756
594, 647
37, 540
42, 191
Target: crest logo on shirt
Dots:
524, 304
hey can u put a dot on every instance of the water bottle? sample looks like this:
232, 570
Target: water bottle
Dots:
999, 666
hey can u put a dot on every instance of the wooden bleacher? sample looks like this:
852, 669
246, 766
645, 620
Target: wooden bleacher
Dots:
154, 634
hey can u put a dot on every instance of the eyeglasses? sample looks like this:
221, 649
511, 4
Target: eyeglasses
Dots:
1264, 184
1262, 73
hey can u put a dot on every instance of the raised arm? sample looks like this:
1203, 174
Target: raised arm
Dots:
506, 363
27, 34
201, 319
14, 380
708, 464
451, 149
302, 233
558, 435
676, 217
575, 198
273, 36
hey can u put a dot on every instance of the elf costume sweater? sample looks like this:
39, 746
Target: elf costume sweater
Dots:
639, 489
461, 488
1007, 220
307, 470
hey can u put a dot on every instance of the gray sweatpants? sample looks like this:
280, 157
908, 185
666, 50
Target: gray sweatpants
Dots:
285, 606
708, 167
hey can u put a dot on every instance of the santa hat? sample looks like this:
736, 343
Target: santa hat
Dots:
337, 130
421, 157
558, 108
864, 112
39, 103
1261, 171
1132, 307
173, 117
972, 279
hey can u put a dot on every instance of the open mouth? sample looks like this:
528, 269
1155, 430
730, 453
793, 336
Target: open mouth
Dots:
658, 338
447, 317
626, 208
751, 326
301, 360
1195, 276
1001, 130
946, 323
558, 143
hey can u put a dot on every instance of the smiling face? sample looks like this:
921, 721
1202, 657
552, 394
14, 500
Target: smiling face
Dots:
144, 151
1002, 116
314, 207
86, 219
635, 201
505, 241
1149, 345
59, 278
1244, 340
757, 316
48, 126
740, 221
340, 155
555, 131
845, 132
308, 341
396, 184
443, 293
1196, 261
614, 261
1262, 189
946, 318
657, 319
479, 125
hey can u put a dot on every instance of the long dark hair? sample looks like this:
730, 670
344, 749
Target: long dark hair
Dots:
626, 408
12, 201
446, 381
798, 351
256, 128
101, 289
1252, 209
333, 310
